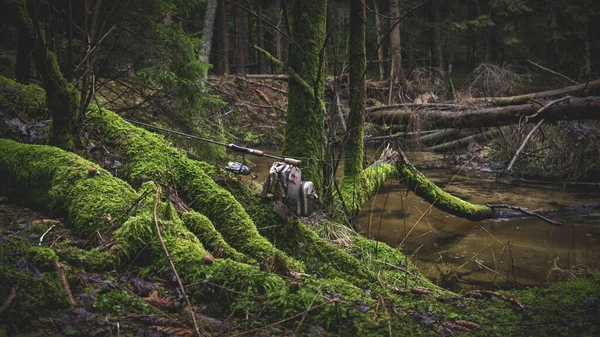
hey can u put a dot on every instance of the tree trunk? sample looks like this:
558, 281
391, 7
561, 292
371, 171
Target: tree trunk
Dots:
260, 38
25, 49
240, 42
586, 87
221, 63
379, 33
573, 109
61, 98
304, 129
354, 141
396, 72
437, 58
207, 31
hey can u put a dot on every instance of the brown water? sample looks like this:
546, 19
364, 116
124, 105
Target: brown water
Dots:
462, 254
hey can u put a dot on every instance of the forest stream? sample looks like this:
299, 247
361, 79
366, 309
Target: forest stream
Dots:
460, 254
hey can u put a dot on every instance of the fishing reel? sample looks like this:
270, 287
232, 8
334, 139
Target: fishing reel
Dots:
240, 168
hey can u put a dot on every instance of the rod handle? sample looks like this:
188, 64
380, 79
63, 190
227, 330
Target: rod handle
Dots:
245, 150
292, 161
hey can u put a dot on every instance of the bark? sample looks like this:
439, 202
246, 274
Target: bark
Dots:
354, 141
304, 130
207, 31
452, 145
221, 63
378, 39
25, 50
396, 72
240, 42
260, 38
579, 88
573, 109
437, 58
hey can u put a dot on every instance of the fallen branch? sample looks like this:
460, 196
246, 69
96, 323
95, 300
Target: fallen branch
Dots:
537, 95
575, 109
480, 293
552, 71
9, 299
515, 208
462, 141
537, 126
437, 106
171, 264
442, 200
60, 269
285, 319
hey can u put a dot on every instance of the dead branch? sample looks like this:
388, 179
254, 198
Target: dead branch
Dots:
515, 208
437, 106
552, 71
285, 319
60, 269
537, 95
9, 299
537, 126
462, 141
171, 264
575, 109
261, 84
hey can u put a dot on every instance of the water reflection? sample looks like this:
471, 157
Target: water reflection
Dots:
463, 254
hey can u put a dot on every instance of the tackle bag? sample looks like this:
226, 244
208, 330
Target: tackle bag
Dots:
285, 185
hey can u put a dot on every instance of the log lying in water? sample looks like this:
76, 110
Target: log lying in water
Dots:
446, 202
573, 109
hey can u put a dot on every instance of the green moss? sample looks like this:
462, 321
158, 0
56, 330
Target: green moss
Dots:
53, 179
149, 157
22, 99
442, 200
117, 303
203, 228
304, 130
42, 257
356, 190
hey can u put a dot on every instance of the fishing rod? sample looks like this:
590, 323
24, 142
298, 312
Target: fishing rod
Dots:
233, 147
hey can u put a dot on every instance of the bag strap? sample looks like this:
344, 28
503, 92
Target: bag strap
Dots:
293, 185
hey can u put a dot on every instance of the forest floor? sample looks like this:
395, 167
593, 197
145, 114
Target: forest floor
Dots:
255, 115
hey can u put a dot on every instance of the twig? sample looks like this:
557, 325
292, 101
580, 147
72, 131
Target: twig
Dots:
285, 319
46, 232
9, 299
187, 300
307, 310
537, 126
387, 314
552, 71
63, 276
555, 223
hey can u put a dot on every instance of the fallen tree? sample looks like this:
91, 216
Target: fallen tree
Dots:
572, 109
583, 89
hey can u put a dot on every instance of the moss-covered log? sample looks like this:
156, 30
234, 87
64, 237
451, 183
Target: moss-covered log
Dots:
439, 198
355, 190
147, 156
